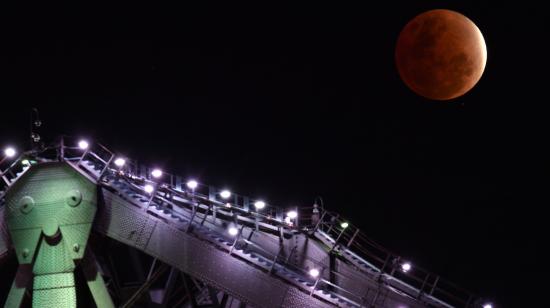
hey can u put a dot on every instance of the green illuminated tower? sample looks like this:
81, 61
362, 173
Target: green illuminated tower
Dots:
49, 213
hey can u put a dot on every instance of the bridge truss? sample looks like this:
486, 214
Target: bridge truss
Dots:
158, 240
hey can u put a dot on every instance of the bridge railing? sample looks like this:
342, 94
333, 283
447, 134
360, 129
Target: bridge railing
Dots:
405, 276
9, 171
324, 278
416, 281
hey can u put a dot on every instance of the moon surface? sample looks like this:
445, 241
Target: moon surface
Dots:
440, 54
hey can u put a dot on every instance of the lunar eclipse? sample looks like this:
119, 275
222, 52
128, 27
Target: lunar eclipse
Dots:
440, 54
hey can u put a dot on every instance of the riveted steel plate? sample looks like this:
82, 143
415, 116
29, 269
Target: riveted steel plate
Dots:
124, 221
63, 297
4, 238
53, 281
297, 299
198, 258
49, 212
49, 185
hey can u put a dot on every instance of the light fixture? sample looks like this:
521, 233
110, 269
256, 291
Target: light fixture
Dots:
120, 162
10, 152
406, 267
487, 305
292, 214
259, 205
225, 194
233, 231
344, 225
192, 184
288, 221
148, 188
156, 173
314, 272
25, 162
83, 144
228, 205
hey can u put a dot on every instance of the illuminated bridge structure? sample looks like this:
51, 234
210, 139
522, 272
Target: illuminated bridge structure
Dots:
80, 225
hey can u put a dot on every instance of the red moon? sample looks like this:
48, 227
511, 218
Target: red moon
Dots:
440, 54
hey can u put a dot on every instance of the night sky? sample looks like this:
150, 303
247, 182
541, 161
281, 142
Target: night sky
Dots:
287, 102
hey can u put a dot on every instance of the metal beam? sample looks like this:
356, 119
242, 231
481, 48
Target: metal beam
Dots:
223, 303
169, 286
145, 286
188, 290
22, 281
95, 281
114, 276
136, 262
213, 296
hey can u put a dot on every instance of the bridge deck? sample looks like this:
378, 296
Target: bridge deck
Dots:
265, 265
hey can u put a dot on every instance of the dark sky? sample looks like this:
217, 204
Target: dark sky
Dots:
294, 101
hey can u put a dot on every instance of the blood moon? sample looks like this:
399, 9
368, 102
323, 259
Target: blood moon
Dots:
440, 54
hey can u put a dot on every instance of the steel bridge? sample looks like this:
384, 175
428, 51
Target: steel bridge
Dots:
80, 224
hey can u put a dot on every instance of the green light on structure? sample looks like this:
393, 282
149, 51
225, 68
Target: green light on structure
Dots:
344, 225
25, 162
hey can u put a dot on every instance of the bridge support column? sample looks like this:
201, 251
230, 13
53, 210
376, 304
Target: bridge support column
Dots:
49, 213
19, 286
95, 282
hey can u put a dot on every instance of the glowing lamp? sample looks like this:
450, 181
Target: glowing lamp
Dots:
83, 144
225, 194
192, 184
259, 205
